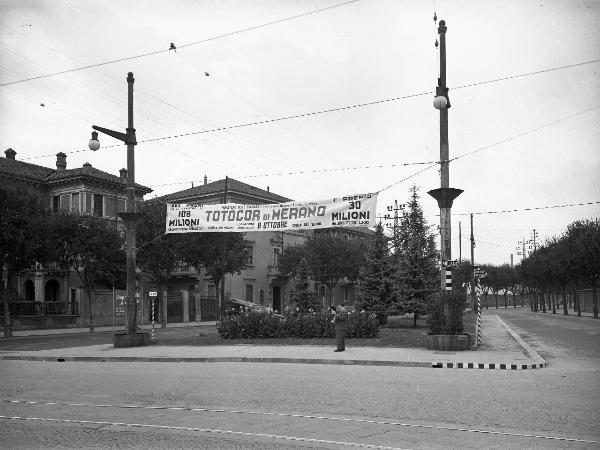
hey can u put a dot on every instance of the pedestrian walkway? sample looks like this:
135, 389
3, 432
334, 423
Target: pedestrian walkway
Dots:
501, 349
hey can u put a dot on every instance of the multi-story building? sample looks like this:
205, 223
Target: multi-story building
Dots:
47, 296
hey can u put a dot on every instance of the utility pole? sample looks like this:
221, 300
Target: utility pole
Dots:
473, 298
396, 208
459, 242
445, 195
534, 236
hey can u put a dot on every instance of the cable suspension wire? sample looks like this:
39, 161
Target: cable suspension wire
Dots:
142, 55
537, 208
324, 111
525, 133
304, 172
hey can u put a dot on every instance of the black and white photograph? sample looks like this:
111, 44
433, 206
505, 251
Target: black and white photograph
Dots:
299, 224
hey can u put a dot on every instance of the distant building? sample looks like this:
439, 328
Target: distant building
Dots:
261, 282
47, 296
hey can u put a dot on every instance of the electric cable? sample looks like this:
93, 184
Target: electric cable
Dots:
537, 208
220, 36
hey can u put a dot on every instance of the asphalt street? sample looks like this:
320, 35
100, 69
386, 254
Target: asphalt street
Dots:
249, 405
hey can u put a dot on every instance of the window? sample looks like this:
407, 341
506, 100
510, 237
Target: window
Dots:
322, 291
276, 253
111, 207
261, 295
55, 203
346, 293
120, 205
87, 203
75, 201
98, 205
65, 202
249, 293
249, 256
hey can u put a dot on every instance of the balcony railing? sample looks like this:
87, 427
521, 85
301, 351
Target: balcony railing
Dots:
36, 309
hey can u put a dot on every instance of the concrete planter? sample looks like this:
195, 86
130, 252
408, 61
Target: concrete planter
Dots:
448, 342
123, 339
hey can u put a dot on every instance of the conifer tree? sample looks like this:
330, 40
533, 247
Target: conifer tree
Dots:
415, 261
375, 289
302, 294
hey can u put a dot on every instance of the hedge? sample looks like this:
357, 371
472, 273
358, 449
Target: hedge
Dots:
253, 324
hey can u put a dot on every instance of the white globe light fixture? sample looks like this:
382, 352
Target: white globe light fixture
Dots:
440, 102
94, 143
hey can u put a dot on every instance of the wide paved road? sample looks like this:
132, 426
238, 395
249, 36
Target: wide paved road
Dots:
257, 406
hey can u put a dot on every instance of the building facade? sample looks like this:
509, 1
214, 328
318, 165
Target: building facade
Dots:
48, 296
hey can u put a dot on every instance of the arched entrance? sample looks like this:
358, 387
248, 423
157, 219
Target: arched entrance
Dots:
29, 291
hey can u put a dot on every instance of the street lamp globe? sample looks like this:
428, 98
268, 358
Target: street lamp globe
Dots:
440, 102
94, 143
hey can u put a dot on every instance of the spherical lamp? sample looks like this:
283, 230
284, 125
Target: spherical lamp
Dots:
94, 143
440, 102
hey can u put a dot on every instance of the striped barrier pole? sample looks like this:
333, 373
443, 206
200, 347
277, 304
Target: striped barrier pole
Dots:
152, 332
478, 327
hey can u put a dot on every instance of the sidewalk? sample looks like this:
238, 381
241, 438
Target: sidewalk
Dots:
501, 349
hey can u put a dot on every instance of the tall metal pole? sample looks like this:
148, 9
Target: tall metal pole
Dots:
445, 195
131, 208
472, 265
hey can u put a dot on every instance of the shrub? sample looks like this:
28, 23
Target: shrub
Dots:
437, 320
253, 324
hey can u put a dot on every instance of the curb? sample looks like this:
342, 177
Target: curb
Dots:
344, 362
238, 359
538, 360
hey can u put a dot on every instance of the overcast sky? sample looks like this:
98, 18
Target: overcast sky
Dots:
538, 135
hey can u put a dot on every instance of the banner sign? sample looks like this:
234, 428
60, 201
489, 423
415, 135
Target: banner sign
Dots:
348, 211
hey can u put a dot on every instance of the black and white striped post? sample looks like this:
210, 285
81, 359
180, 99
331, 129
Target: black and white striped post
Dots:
152, 295
448, 278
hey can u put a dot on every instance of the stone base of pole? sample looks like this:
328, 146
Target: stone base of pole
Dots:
122, 339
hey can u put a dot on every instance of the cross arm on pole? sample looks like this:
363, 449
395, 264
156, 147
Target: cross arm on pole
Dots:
128, 138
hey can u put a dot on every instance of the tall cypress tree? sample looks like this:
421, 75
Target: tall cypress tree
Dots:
375, 288
415, 261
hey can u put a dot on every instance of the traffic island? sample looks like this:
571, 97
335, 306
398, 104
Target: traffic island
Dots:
138, 339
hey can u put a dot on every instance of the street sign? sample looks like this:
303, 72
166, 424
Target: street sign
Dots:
449, 263
153, 293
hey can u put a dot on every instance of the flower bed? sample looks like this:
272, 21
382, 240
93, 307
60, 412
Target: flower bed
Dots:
253, 324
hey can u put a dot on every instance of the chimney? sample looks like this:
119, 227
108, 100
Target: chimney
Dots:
268, 189
87, 164
10, 153
205, 180
61, 161
123, 174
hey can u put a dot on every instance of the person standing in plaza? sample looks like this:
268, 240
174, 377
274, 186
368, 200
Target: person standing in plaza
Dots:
340, 317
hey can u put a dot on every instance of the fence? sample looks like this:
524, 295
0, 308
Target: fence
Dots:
36, 309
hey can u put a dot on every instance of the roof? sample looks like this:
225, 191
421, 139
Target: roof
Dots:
46, 175
218, 187
22, 169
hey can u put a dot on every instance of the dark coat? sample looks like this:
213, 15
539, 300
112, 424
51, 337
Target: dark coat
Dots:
340, 319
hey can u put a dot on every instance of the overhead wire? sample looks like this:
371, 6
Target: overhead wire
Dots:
156, 52
537, 208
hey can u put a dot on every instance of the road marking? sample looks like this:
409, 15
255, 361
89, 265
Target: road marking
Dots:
304, 416
206, 430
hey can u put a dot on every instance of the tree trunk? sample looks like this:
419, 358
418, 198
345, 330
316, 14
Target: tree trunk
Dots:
486, 301
222, 303
543, 299
565, 306
4, 299
88, 291
577, 299
554, 300
505, 300
595, 297
163, 306
415, 317
496, 296
514, 299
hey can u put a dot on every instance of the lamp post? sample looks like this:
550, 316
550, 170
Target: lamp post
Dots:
130, 216
445, 195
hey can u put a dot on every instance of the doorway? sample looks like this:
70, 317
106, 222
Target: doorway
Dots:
277, 298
